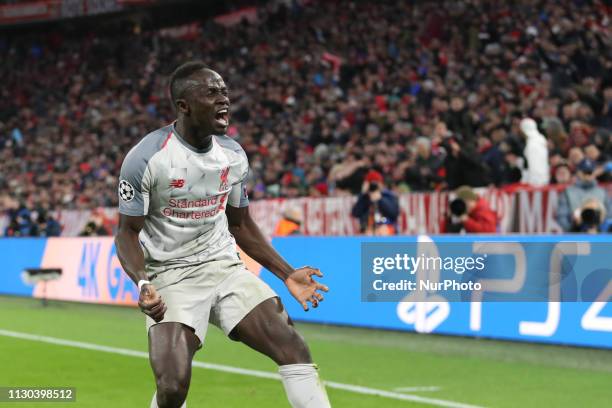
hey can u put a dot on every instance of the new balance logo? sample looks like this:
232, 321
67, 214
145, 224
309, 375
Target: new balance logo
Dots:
177, 183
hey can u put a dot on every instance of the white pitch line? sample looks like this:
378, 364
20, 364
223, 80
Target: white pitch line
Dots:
236, 370
418, 388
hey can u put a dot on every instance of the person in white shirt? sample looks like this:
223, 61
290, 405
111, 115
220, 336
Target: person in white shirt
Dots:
537, 172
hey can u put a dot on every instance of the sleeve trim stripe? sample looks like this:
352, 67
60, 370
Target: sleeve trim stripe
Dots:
135, 213
167, 139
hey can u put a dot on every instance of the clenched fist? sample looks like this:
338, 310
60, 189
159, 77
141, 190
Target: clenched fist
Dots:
151, 303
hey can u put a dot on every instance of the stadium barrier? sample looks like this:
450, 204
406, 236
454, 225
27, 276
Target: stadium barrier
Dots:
521, 210
581, 316
47, 10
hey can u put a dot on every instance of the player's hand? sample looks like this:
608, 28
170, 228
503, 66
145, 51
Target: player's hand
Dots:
304, 288
151, 303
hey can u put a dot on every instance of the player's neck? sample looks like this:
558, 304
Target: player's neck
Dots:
193, 136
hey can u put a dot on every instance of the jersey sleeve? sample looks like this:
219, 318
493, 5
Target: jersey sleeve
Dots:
133, 187
238, 196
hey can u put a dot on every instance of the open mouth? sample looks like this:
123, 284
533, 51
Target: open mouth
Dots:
222, 117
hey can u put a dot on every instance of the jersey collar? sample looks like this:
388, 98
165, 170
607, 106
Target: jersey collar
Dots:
187, 145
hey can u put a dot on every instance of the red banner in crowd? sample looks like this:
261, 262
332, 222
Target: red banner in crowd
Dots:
45, 10
524, 210
187, 32
29, 11
236, 17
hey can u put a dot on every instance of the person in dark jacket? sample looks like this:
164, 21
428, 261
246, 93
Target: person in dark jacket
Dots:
464, 166
492, 154
458, 119
46, 226
376, 208
20, 224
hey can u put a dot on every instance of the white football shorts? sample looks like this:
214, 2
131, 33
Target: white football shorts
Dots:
220, 292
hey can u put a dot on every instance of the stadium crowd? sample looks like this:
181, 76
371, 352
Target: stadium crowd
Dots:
429, 95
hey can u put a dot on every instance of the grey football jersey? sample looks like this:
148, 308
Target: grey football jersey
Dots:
183, 192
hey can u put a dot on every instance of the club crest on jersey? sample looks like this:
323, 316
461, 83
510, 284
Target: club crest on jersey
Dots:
224, 176
177, 183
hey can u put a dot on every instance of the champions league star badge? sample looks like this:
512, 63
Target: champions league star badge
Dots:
126, 191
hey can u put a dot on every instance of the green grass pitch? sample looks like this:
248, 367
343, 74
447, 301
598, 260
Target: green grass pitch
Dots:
468, 371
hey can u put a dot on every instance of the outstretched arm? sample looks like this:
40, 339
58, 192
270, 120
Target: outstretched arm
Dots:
251, 240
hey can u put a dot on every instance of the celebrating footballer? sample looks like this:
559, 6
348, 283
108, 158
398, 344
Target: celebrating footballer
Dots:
183, 209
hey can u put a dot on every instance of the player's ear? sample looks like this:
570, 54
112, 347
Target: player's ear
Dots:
182, 107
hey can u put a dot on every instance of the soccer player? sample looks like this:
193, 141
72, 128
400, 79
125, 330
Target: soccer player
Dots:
183, 208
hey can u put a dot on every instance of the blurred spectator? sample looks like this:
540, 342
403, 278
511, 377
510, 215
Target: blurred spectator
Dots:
26, 223
603, 167
424, 174
45, 226
492, 154
593, 153
349, 174
576, 155
376, 208
464, 166
290, 223
557, 136
459, 120
98, 224
561, 174
514, 162
583, 191
70, 111
20, 222
537, 172
469, 213
92, 230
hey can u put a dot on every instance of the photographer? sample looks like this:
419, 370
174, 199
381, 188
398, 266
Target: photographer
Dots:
572, 200
469, 213
589, 217
291, 222
376, 208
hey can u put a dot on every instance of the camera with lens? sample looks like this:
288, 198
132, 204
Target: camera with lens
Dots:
458, 207
373, 187
590, 218
454, 223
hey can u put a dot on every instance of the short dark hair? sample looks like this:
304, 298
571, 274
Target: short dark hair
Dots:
178, 78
